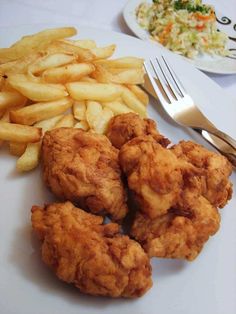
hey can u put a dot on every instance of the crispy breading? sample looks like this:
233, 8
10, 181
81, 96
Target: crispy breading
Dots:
83, 167
154, 173
94, 257
182, 232
124, 127
178, 191
213, 183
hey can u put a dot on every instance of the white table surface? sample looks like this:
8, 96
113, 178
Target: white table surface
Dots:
106, 14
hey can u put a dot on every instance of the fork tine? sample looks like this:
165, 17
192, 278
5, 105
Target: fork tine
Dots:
169, 83
155, 86
178, 84
162, 82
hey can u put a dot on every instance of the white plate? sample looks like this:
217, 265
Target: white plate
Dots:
213, 64
206, 285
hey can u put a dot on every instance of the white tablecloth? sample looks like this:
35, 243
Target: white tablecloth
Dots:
101, 14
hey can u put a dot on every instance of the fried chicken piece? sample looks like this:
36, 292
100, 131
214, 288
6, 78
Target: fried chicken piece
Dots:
182, 232
176, 190
124, 127
94, 257
83, 167
154, 173
214, 182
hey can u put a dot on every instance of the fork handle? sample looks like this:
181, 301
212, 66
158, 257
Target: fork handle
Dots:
220, 141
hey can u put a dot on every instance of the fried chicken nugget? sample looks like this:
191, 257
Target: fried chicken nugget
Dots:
214, 182
154, 173
92, 256
182, 232
83, 167
124, 127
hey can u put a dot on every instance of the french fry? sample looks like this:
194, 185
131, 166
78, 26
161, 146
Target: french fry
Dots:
40, 111
119, 99
115, 71
1, 114
102, 74
7, 87
82, 54
79, 110
30, 158
93, 112
48, 124
133, 102
123, 63
88, 79
19, 65
141, 95
66, 121
13, 78
35, 42
2, 81
4, 118
19, 133
37, 91
98, 117
68, 73
50, 61
103, 52
101, 124
83, 124
117, 107
11, 99
96, 91
118, 76
83, 43
127, 76
17, 149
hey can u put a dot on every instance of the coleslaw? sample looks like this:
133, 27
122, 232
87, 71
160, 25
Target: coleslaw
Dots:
187, 27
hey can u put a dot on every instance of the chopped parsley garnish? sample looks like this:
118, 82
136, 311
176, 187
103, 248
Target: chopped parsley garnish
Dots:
185, 5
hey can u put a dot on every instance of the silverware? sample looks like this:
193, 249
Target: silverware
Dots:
168, 89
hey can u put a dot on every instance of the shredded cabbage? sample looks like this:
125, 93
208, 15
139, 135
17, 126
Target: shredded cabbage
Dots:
187, 27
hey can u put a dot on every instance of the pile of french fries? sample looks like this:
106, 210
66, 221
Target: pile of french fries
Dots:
48, 81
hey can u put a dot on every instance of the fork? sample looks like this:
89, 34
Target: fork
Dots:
181, 108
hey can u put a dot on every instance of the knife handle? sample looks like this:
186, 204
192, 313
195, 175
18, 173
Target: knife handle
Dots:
228, 139
225, 147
